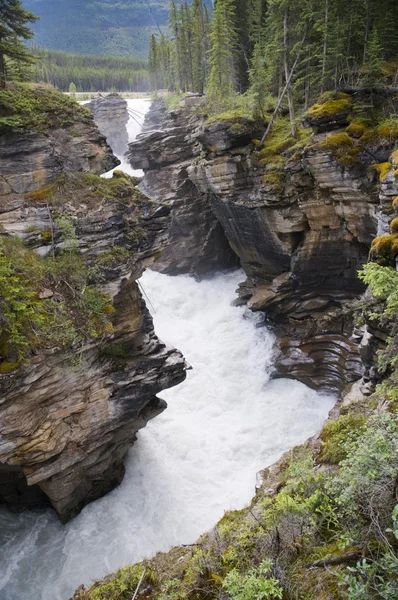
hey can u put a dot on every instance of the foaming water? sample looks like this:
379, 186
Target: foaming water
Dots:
138, 109
197, 459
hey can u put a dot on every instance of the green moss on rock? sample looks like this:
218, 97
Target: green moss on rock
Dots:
330, 104
39, 108
335, 434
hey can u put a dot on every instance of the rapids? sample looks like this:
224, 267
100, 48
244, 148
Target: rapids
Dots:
199, 458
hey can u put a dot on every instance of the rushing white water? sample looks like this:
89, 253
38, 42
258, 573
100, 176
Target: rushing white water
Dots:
197, 459
138, 109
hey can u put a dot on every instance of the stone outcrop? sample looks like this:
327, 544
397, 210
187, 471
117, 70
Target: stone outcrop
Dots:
111, 116
165, 150
68, 419
300, 242
32, 161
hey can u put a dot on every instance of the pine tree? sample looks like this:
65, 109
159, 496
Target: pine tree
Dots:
153, 63
13, 27
174, 26
373, 72
199, 35
222, 78
72, 90
258, 77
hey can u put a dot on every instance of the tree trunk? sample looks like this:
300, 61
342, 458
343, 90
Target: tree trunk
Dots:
2, 71
325, 46
367, 30
287, 77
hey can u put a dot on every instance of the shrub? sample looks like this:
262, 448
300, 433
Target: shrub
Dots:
335, 434
257, 584
75, 311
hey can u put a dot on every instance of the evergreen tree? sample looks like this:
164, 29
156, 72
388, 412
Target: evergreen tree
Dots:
72, 90
199, 35
373, 72
153, 62
13, 27
258, 77
223, 39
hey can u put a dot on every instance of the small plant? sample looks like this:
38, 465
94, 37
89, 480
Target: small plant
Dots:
256, 584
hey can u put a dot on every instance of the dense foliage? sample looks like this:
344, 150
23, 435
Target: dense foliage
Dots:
13, 27
47, 301
301, 48
90, 73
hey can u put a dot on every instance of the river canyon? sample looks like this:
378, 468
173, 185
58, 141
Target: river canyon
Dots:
227, 421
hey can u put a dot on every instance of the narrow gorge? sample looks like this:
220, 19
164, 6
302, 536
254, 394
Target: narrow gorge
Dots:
256, 373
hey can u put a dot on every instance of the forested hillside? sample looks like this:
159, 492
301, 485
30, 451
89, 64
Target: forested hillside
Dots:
90, 73
296, 49
98, 26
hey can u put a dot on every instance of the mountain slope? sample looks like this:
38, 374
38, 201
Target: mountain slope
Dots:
119, 28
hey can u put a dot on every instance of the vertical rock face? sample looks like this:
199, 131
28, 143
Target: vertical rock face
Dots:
67, 419
111, 116
300, 243
165, 150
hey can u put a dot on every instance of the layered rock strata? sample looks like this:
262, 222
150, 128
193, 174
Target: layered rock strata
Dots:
300, 242
165, 150
68, 418
111, 116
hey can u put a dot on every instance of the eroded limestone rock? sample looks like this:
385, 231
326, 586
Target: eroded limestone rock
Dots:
68, 418
300, 243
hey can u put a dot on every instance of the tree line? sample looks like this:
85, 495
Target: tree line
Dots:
305, 46
90, 73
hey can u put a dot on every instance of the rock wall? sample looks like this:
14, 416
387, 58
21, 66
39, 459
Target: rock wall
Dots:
111, 116
68, 419
165, 150
300, 243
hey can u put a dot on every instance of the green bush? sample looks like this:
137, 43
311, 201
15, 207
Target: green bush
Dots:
255, 585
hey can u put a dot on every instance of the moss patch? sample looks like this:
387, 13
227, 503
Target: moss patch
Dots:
394, 226
38, 108
343, 147
78, 188
355, 130
384, 249
330, 104
278, 148
335, 434
383, 169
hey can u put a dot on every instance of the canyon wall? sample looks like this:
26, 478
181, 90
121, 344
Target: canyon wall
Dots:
111, 117
68, 416
301, 232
